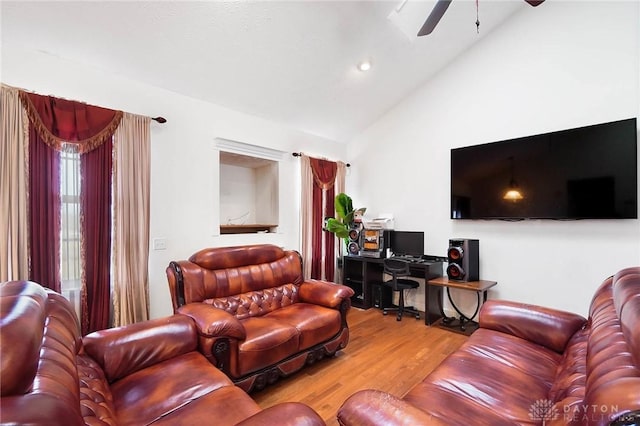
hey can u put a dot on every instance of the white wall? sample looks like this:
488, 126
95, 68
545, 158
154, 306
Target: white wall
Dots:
237, 195
184, 160
563, 64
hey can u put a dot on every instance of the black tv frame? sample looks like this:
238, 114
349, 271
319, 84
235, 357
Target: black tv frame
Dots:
590, 196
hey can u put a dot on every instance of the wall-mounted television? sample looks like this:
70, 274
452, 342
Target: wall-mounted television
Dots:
588, 172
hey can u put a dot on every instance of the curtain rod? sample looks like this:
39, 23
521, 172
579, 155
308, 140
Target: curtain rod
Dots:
298, 154
158, 119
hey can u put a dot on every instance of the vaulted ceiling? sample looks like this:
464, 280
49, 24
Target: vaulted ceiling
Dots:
292, 62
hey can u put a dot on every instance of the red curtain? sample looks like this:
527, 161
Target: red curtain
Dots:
59, 121
95, 205
324, 177
56, 122
44, 212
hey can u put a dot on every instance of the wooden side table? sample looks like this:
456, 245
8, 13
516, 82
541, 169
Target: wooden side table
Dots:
436, 316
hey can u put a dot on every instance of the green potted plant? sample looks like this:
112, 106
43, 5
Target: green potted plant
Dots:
346, 219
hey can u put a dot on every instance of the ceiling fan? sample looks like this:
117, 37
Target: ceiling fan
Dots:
441, 7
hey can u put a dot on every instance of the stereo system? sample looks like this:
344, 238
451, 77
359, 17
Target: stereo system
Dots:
368, 242
464, 260
374, 242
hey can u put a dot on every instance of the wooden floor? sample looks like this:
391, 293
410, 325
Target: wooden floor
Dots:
382, 354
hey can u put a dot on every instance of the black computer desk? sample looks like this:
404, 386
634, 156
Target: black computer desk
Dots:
362, 273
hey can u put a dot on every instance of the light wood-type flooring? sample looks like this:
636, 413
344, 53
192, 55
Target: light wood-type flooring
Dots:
382, 354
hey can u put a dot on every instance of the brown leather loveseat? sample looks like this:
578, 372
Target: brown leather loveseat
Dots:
149, 372
529, 365
258, 315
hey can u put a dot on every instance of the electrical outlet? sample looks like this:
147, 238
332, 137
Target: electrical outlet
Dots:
159, 243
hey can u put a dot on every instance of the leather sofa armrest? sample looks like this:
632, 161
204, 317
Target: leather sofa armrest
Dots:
285, 414
213, 322
373, 407
124, 350
548, 327
324, 293
219, 335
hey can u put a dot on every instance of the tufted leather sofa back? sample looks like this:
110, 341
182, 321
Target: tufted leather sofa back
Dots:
599, 374
613, 348
244, 280
39, 375
257, 303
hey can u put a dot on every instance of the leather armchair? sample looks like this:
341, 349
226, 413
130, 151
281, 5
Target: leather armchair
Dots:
258, 318
149, 372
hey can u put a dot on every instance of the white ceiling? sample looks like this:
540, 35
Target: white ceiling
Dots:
292, 62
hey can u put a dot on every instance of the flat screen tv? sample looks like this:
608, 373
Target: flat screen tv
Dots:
589, 172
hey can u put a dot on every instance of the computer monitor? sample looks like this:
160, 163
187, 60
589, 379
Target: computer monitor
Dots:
407, 243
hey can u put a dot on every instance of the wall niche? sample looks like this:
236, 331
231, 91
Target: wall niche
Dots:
249, 181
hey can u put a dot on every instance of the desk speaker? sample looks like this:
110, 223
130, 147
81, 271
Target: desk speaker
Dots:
464, 260
353, 246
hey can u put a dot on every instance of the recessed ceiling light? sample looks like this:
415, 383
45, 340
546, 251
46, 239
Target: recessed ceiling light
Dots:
364, 66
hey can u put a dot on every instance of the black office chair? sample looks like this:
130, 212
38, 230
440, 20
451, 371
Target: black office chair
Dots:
398, 268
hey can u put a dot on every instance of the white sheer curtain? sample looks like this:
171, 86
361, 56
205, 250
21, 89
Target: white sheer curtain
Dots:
14, 247
131, 195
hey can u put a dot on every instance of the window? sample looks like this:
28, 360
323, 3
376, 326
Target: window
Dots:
70, 249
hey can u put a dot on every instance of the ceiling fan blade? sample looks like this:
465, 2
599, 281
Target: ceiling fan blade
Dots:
435, 16
534, 3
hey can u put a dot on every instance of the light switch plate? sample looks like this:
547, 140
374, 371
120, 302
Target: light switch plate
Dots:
159, 243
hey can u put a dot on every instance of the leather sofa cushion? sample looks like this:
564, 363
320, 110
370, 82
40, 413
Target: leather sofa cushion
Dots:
509, 375
147, 396
316, 324
232, 406
273, 337
268, 341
